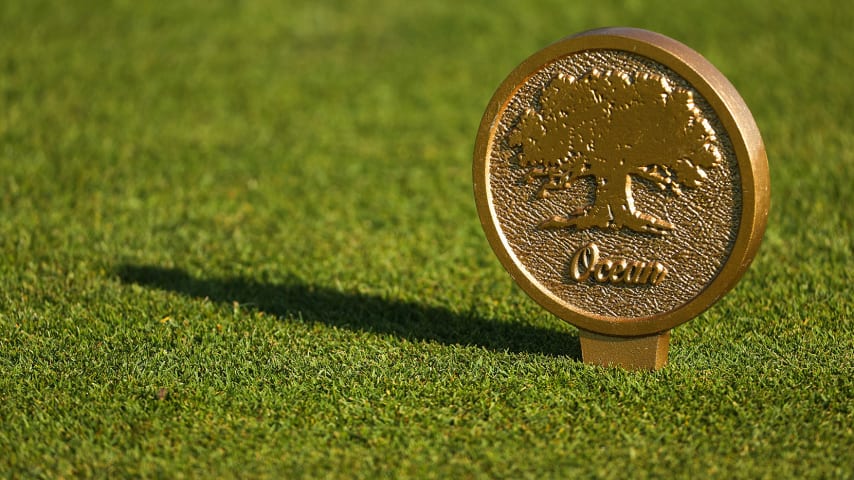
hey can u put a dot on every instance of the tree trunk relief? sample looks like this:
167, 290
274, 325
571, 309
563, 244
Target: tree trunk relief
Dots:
614, 207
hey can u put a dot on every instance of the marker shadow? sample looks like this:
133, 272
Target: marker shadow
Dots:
298, 301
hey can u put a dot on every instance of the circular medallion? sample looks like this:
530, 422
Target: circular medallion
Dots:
621, 181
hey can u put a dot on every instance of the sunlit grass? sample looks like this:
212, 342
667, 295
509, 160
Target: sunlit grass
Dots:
240, 240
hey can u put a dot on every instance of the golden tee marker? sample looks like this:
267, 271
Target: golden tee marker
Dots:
623, 184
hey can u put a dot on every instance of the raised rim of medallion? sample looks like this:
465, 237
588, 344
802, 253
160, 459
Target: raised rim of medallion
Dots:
738, 123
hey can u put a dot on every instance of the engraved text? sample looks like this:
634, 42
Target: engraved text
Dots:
586, 263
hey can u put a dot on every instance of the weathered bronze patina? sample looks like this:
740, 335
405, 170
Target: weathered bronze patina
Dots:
623, 184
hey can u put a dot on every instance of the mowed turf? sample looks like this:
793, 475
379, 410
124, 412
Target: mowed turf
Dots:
239, 239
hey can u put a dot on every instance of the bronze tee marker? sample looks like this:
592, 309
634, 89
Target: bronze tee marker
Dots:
623, 184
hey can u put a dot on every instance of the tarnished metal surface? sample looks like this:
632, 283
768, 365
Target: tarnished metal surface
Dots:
621, 181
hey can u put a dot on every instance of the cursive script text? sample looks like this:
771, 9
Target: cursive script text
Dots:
586, 263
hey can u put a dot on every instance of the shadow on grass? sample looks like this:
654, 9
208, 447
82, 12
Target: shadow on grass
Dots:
360, 312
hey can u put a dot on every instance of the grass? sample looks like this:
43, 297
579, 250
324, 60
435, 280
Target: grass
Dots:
239, 239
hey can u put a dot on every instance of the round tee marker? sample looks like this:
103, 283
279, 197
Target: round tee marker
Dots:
623, 184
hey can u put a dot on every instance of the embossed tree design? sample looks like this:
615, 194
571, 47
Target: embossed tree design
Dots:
614, 126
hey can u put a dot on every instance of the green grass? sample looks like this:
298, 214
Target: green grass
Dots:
239, 239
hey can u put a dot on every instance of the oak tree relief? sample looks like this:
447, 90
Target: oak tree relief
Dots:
614, 126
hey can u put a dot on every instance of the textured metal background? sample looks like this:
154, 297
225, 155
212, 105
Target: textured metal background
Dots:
705, 219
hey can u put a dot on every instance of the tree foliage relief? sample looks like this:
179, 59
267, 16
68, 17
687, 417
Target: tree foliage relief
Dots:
614, 126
